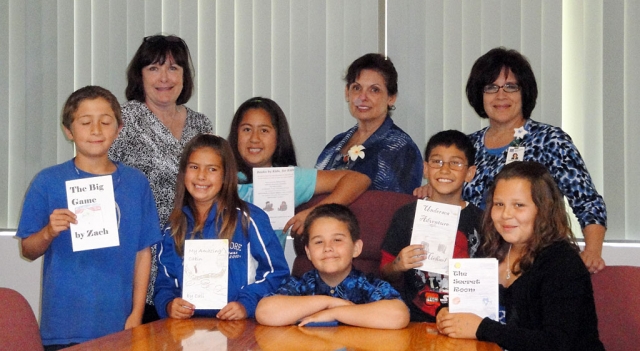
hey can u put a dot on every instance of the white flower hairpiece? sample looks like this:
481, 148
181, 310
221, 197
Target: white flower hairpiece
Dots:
356, 151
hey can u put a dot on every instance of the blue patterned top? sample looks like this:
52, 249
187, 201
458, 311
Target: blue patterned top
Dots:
392, 160
552, 147
357, 287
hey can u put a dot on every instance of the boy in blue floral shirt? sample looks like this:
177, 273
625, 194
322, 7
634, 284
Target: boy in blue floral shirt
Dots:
334, 291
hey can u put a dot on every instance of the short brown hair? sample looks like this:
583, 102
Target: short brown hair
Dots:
156, 49
338, 212
375, 62
90, 92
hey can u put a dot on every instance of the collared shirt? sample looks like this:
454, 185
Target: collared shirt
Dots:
391, 159
357, 287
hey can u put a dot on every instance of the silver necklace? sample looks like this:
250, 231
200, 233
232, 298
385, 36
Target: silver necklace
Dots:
509, 263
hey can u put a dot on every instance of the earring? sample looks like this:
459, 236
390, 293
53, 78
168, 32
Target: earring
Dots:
392, 107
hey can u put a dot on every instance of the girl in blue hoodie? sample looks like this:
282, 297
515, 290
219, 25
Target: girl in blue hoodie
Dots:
207, 206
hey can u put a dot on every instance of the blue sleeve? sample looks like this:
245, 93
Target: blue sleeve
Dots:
35, 210
291, 286
305, 184
378, 290
570, 173
168, 281
406, 164
271, 264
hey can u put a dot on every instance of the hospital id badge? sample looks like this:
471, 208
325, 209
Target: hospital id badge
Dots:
514, 154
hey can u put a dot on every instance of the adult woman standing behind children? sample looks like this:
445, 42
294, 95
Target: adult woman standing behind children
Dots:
157, 124
375, 146
502, 88
259, 136
208, 207
545, 288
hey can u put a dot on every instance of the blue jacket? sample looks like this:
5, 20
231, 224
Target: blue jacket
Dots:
256, 262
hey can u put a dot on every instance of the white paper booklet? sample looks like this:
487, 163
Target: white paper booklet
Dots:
93, 202
273, 191
473, 286
435, 226
206, 272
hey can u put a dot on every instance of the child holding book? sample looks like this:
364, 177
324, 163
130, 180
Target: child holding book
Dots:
259, 136
449, 163
545, 288
207, 206
334, 291
91, 293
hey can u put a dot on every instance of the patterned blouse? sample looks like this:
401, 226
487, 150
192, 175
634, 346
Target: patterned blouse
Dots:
392, 160
552, 147
146, 144
357, 287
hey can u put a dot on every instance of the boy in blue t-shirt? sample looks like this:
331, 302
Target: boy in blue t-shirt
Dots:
91, 293
334, 291
449, 163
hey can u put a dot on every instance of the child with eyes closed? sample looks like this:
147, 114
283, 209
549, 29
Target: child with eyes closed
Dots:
207, 206
259, 136
546, 296
87, 294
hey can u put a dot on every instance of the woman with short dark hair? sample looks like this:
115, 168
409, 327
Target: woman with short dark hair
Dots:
502, 88
375, 146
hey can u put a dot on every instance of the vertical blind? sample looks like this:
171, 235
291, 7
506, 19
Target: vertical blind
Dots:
296, 52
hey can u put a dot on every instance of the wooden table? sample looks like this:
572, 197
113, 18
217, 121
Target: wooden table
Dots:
213, 334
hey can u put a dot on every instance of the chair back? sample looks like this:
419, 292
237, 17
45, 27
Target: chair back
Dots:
374, 210
616, 291
18, 326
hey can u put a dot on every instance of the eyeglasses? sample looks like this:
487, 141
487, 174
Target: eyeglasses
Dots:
507, 88
454, 165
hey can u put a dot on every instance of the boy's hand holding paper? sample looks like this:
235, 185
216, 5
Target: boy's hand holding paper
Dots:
435, 227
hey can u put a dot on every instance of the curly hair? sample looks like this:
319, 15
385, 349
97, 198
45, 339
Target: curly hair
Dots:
550, 225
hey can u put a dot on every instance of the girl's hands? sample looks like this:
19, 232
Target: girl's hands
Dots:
233, 311
458, 325
179, 308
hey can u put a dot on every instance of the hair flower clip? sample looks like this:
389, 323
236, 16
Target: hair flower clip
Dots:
355, 152
518, 136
